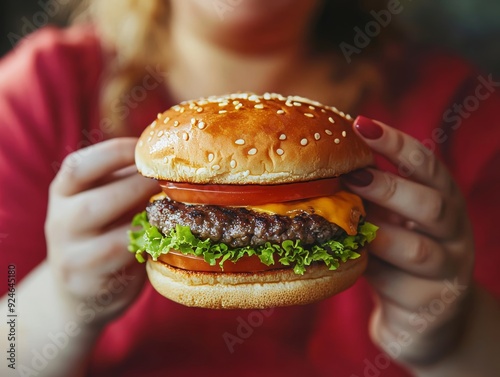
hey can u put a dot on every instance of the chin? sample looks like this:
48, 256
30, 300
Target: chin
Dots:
246, 13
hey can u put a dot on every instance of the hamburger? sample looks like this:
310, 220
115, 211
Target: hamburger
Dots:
252, 213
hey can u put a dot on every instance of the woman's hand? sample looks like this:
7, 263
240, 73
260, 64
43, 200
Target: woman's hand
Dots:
422, 259
91, 203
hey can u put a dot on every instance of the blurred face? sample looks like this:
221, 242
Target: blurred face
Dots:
246, 25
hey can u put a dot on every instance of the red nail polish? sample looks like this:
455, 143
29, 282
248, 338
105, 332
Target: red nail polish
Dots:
360, 178
368, 128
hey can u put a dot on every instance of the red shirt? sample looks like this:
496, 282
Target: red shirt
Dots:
49, 94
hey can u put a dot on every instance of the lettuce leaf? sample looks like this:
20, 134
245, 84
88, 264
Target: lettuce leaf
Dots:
148, 239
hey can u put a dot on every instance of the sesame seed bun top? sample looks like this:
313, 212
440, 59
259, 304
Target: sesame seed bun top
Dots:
250, 139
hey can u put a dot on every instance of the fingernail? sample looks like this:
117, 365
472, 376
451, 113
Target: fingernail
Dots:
368, 128
360, 178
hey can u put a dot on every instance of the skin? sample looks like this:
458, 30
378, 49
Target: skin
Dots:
91, 202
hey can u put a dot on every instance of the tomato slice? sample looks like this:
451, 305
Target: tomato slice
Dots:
241, 195
194, 263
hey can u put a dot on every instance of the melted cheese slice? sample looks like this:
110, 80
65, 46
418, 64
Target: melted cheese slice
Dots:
342, 208
161, 195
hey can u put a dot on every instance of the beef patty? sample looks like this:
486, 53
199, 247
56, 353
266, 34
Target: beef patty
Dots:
238, 226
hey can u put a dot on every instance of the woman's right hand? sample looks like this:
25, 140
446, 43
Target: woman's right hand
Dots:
91, 202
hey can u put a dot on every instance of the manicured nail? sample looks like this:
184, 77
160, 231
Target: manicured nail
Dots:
360, 178
368, 128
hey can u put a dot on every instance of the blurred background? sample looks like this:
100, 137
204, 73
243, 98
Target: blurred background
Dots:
470, 28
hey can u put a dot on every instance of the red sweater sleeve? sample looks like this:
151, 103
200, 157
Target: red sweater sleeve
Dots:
473, 126
47, 85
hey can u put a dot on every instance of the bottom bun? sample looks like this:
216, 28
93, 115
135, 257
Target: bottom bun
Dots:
258, 290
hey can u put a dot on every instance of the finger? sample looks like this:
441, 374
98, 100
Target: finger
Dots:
412, 252
388, 321
100, 255
427, 208
85, 166
413, 292
117, 175
393, 328
117, 255
378, 215
411, 157
99, 207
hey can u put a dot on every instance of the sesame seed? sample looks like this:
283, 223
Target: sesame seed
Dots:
152, 133
312, 107
222, 104
210, 157
344, 134
238, 106
235, 102
240, 142
280, 111
336, 141
280, 152
177, 108
328, 132
222, 111
259, 106
160, 134
252, 151
141, 143
330, 119
176, 123
232, 164
254, 98
297, 104
309, 115
185, 136
182, 109
201, 125
215, 167
342, 114
282, 137
323, 111
158, 116
193, 121
348, 117
304, 141
289, 104
153, 125
199, 109
267, 96
317, 136
149, 139
165, 121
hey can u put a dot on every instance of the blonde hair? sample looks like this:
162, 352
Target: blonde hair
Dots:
133, 34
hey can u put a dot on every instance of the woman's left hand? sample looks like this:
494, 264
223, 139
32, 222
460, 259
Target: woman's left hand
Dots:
422, 259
